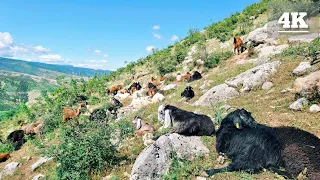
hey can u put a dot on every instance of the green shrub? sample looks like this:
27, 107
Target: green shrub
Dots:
6, 148
87, 149
215, 58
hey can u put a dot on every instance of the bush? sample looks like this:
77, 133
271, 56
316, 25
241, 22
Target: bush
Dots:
87, 149
6, 148
215, 58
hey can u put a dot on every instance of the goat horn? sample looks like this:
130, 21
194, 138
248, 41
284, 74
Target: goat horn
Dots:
231, 107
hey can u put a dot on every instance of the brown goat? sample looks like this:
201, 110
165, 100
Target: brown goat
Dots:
151, 92
237, 43
142, 127
154, 81
4, 157
69, 113
123, 91
114, 89
185, 77
164, 77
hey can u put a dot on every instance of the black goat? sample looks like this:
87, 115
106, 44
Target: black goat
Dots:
184, 122
250, 149
195, 76
188, 93
17, 139
98, 115
301, 149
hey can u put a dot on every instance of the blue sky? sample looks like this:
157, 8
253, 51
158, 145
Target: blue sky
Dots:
101, 34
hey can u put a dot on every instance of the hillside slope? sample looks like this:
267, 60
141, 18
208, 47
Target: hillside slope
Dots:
105, 147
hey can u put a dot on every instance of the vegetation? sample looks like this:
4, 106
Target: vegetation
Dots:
92, 149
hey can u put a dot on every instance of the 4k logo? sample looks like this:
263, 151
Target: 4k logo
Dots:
297, 20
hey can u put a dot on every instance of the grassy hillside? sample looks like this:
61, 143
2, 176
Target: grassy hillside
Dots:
91, 149
41, 69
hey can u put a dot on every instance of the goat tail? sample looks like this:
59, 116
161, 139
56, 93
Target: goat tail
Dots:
234, 40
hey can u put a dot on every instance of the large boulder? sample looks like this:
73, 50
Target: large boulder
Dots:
139, 102
308, 86
154, 160
268, 33
268, 51
253, 78
302, 69
216, 94
9, 169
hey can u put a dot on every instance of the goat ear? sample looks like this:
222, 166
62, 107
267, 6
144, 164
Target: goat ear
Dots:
167, 118
139, 124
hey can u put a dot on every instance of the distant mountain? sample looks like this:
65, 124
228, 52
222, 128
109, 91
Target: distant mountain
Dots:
39, 69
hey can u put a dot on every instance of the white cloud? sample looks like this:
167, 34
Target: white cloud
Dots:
98, 61
106, 55
51, 57
40, 49
158, 36
156, 27
6, 40
97, 52
149, 48
174, 38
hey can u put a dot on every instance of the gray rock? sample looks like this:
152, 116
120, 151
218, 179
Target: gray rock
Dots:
204, 86
302, 69
314, 108
267, 85
216, 94
299, 104
170, 87
41, 161
155, 159
308, 86
268, 33
269, 51
39, 176
253, 78
303, 38
9, 169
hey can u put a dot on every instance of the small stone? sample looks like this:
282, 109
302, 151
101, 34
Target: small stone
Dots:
39, 176
314, 108
267, 85
302, 69
200, 178
299, 104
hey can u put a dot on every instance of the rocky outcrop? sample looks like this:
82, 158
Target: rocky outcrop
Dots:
268, 51
253, 79
308, 86
302, 69
299, 104
250, 80
154, 160
41, 161
169, 87
9, 169
216, 94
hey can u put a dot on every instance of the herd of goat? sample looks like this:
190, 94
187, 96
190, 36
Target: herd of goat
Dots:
252, 147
